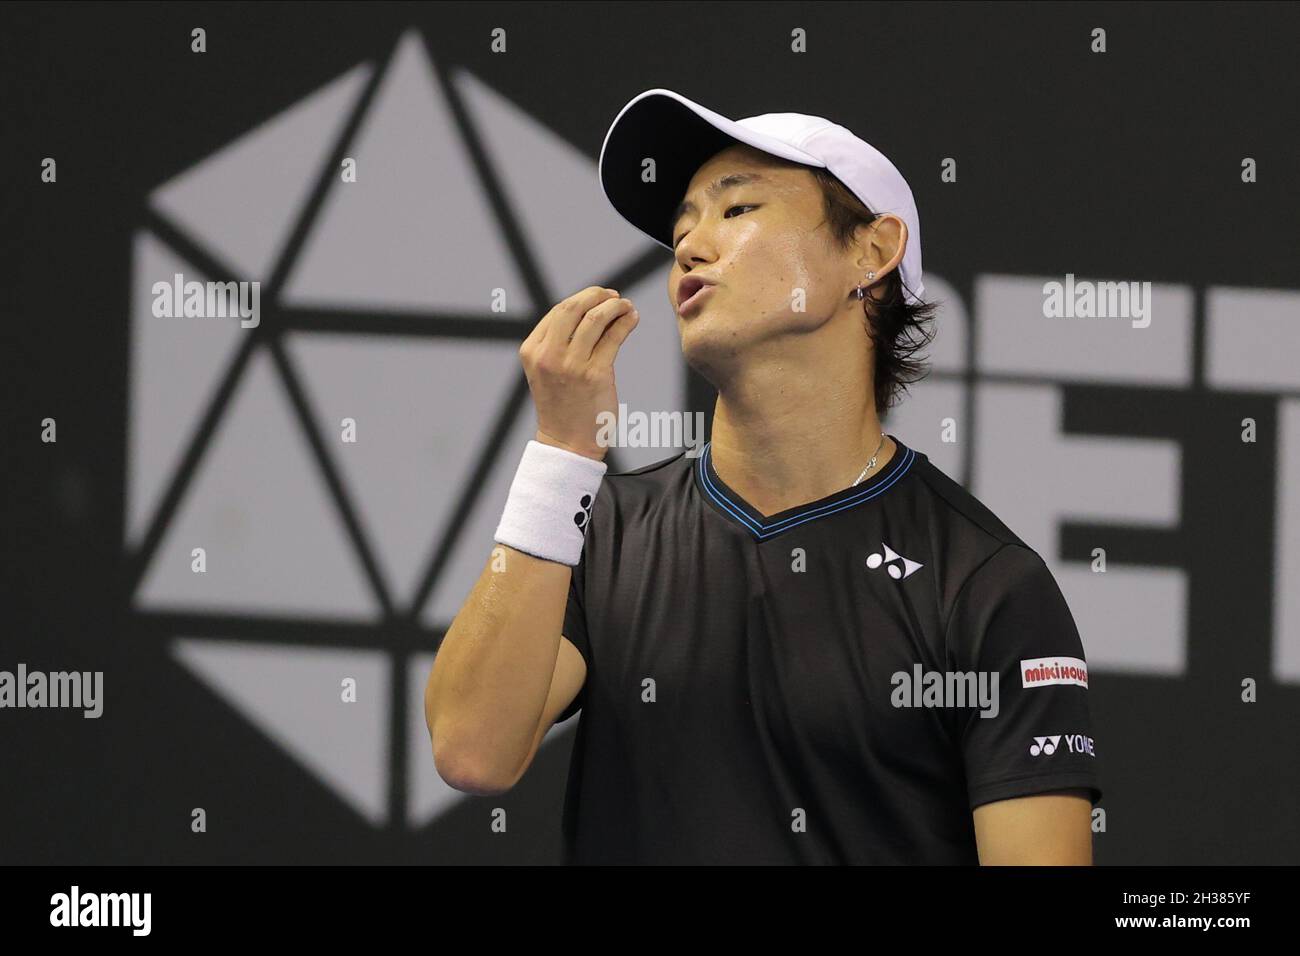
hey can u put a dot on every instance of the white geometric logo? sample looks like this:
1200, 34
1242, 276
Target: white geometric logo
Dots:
891, 560
396, 301
1044, 745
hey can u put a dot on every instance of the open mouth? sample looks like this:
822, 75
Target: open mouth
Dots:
695, 299
691, 291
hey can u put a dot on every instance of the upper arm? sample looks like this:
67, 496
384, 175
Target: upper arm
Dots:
1011, 622
1045, 829
566, 683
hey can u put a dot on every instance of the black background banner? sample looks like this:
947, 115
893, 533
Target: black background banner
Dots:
1125, 164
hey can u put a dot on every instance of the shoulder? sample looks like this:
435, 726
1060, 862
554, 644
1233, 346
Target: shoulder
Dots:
645, 484
998, 595
960, 511
978, 553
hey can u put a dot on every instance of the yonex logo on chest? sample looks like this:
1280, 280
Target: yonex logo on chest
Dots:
896, 566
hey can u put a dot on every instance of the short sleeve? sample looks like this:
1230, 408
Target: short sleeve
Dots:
1011, 619
575, 630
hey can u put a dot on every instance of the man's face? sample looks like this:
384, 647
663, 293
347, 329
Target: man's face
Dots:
762, 242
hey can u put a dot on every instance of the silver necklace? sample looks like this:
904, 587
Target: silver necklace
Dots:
871, 464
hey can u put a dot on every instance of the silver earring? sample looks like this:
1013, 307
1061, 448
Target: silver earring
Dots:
870, 276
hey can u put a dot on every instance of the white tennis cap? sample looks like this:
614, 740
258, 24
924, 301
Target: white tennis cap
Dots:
680, 135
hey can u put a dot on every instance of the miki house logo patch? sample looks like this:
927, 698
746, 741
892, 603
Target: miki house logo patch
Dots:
1043, 671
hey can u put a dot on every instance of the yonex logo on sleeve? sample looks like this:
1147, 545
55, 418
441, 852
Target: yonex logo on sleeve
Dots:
1043, 671
1044, 745
1075, 743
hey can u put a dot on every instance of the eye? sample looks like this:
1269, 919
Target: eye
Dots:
725, 215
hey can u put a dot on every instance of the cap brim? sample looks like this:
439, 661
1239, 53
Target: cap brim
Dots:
680, 136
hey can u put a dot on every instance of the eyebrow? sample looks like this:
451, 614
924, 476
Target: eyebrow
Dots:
717, 188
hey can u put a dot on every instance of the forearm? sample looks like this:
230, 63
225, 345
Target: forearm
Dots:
488, 686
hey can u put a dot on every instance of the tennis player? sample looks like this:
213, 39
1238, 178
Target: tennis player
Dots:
807, 644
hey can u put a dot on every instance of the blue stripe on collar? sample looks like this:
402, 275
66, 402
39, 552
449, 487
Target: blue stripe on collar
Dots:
762, 529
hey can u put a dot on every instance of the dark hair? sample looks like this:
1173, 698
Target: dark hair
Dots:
897, 328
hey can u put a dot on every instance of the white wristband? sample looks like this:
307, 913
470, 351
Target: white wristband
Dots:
550, 502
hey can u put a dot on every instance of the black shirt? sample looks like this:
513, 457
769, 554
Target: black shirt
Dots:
740, 704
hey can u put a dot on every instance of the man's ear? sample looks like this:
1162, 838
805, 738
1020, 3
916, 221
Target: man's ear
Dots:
883, 243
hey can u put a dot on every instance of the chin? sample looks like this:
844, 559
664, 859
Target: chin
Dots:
710, 344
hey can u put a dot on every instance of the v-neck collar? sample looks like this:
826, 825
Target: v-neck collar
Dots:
746, 515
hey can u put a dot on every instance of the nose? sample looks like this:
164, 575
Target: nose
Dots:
692, 250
